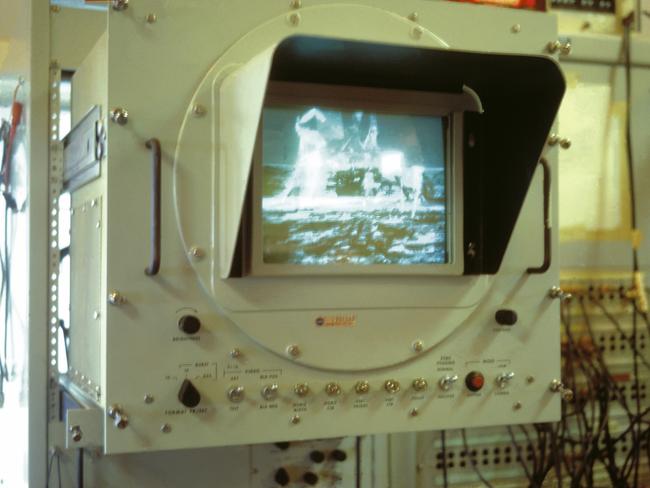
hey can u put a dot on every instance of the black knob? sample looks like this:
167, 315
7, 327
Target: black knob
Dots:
283, 446
338, 455
506, 317
282, 477
317, 456
189, 324
188, 395
310, 478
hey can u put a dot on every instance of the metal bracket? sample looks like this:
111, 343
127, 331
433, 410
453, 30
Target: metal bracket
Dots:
84, 148
84, 428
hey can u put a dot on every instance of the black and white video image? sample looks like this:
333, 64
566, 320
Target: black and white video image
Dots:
353, 187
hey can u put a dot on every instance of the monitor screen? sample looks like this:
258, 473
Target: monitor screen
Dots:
357, 187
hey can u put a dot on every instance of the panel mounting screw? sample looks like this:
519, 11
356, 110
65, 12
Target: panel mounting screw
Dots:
553, 139
165, 428
196, 253
120, 4
148, 398
530, 379
296, 3
414, 412
151, 18
236, 353
75, 433
417, 32
516, 29
516, 406
199, 110
115, 298
294, 19
295, 419
417, 346
120, 116
565, 49
293, 350
553, 46
565, 143
414, 16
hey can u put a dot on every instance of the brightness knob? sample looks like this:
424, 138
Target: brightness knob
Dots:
189, 324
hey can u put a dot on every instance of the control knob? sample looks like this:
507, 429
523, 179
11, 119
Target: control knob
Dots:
188, 395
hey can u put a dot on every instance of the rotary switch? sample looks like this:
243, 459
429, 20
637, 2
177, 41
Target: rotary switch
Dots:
189, 324
188, 395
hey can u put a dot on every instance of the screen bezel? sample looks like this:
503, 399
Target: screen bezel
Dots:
444, 105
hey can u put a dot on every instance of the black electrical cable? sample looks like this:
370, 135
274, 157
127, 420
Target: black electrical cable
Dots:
627, 25
519, 454
443, 446
80, 468
357, 462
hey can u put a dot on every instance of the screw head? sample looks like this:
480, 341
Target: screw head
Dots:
115, 298
516, 29
120, 116
414, 412
530, 379
199, 110
197, 253
414, 16
565, 143
517, 406
151, 18
296, 3
417, 32
120, 5
293, 350
294, 19
75, 433
165, 428
417, 346
295, 419
148, 398
236, 353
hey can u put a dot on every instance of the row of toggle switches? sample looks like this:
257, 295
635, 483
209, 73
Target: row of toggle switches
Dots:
189, 396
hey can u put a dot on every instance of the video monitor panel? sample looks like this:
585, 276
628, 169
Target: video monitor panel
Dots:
357, 187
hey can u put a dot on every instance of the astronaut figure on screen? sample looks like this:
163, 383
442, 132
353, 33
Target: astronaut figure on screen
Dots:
309, 177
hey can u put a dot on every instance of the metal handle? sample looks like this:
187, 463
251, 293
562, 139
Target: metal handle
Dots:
153, 145
547, 223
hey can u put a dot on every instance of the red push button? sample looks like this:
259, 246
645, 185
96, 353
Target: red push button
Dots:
474, 381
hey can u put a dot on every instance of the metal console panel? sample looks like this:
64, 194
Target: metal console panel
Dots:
179, 371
